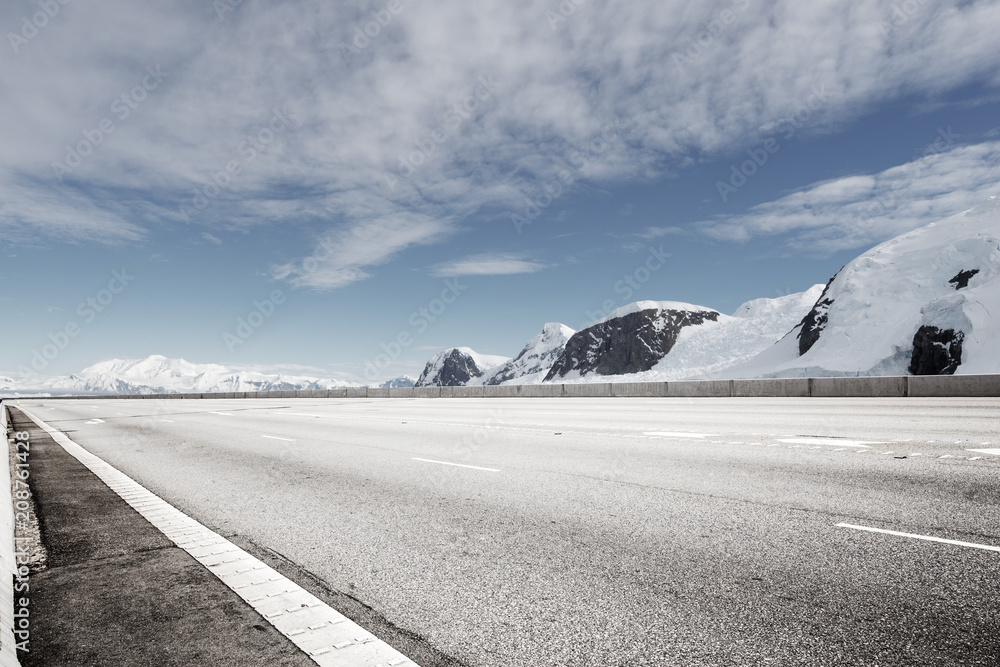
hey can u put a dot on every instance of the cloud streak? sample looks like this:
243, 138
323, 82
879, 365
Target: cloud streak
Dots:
860, 210
488, 264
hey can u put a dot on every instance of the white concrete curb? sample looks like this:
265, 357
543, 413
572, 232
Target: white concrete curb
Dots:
8, 564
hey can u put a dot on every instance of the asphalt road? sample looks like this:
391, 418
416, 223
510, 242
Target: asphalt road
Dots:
604, 532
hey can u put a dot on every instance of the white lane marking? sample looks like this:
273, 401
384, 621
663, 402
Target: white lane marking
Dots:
94, 421
994, 452
927, 538
833, 442
274, 437
300, 414
167, 420
457, 465
224, 414
328, 637
672, 434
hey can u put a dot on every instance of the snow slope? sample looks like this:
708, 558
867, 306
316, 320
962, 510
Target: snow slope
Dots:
535, 358
874, 308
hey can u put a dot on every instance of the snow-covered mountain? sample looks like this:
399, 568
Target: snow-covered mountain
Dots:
535, 359
401, 382
632, 339
926, 302
158, 374
458, 366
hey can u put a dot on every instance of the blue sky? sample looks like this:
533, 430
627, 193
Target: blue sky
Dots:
272, 158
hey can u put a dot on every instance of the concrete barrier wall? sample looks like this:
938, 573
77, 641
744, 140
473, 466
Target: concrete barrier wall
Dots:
874, 387
542, 390
797, 387
868, 387
463, 392
954, 385
591, 390
698, 389
639, 389
502, 391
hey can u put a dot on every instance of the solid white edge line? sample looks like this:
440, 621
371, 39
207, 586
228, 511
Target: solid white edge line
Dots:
274, 437
8, 562
926, 538
329, 638
457, 465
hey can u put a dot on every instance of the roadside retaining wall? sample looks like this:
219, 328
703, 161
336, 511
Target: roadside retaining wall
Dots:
875, 387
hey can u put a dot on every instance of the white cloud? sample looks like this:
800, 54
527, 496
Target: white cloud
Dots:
487, 264
858, 211
343, 254
356, 117
659, 232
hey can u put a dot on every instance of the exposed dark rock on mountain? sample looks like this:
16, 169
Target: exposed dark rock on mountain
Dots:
936, 351
815, 321
961, 281
451, 368
631, 343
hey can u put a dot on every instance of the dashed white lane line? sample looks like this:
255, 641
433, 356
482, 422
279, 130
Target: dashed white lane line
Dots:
224, 414
833, 442
94, 421
274, 437
167, 420
673, 434
457, 465
328, 637
927, 538
994, 452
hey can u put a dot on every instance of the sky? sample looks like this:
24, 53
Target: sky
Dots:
344, 189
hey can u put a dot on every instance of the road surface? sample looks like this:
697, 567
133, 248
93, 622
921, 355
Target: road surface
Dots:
603, 532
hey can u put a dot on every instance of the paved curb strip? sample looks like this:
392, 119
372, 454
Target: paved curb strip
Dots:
8, 564
324, 634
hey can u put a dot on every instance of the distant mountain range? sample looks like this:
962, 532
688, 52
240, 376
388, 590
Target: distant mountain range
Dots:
924, 303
